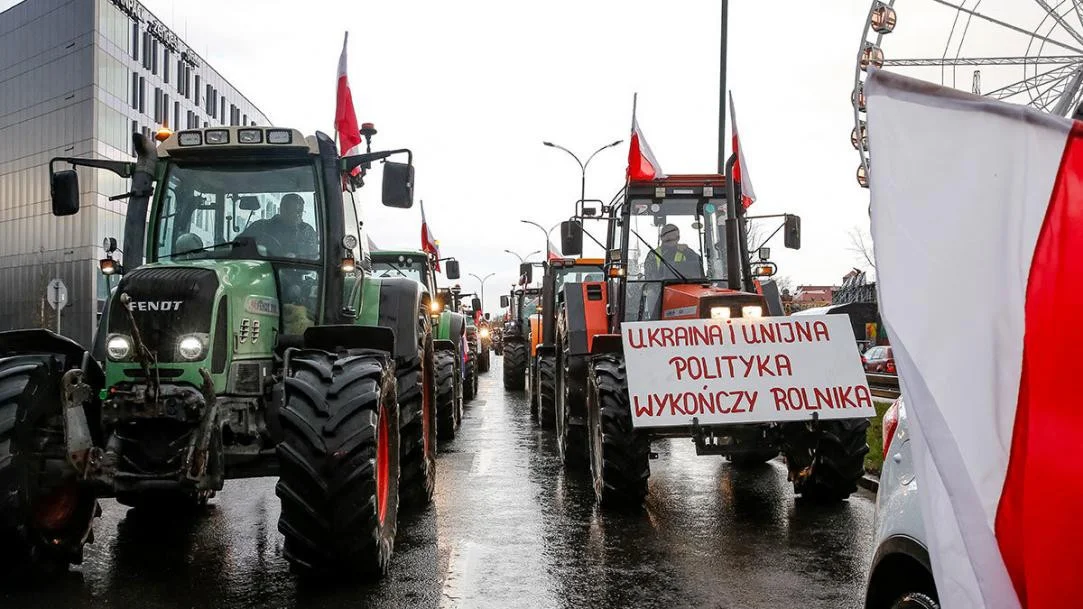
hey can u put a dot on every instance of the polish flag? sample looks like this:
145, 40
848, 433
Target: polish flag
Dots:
977, 220
642, 166
553, 253
349, 134
740, 168
429, 244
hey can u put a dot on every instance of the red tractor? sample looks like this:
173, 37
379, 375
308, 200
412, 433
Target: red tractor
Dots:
676, 250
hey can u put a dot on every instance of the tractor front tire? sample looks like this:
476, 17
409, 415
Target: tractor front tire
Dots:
444, 372
339, 462
546, 397
619, 454
571, 438
470, 385
514, 366
45, 516
837, 460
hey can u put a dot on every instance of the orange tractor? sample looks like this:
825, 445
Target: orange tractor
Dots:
676, 250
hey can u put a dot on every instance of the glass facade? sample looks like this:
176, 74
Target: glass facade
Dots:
76, 79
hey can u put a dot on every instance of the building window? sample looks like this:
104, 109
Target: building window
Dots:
135, 40
142, 94
222, 114
154, 57
165, 65
244, 121
165, 110
148, 52
135, 90
210, 100
176, 115
196, 98
180, 76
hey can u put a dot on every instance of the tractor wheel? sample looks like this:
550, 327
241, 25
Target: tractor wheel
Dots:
460, 382
753, 458
546, 397
619, 455
470, 384
444, 369
828, 469
514, 366
571, 438
339, 462
417, 422
483, 361
45, 517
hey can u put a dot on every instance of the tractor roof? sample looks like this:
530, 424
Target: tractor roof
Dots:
684, 185
236, 139
389, 253
566, 262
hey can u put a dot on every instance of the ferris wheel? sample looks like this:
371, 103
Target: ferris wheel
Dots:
1027, 52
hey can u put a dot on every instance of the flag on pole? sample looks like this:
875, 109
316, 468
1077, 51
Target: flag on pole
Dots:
349, 134
992, 192
740, 168
642, 166
429, 244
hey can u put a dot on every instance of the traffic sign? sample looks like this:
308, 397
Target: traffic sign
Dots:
57, 294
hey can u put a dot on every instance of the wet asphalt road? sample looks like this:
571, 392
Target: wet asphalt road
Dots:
507, 529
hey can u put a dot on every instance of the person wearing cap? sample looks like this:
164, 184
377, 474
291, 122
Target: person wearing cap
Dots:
679, 256
287, 234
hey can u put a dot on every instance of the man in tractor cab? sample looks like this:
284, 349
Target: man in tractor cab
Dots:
683, 259
287, 234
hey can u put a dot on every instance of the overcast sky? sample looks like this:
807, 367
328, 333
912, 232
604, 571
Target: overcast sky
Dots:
474, 87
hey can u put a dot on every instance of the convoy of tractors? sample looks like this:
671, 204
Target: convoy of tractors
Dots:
250, 331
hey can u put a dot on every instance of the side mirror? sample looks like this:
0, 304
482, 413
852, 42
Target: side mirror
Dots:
764, 254
486, 317
451, 269
526, 273
64, 187
505, 301
398, 185
571, 238
249, 203
792, 234
475, 303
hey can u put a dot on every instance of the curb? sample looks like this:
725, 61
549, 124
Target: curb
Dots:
869, 482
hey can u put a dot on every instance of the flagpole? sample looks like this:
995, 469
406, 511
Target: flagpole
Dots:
722, 87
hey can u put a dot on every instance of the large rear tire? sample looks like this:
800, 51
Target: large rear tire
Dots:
45, 517
827, 470
546, 397
483, 360
444, 369
417, 415
470, 384
514, 366
571, 436
339, 461
619, 454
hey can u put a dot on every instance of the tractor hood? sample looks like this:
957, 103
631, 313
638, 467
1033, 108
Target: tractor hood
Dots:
230, 306
696, 301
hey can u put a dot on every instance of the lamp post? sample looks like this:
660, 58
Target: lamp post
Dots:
547, 233
582, 165
482, 281
521, 259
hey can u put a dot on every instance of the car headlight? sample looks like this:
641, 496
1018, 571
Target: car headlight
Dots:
118, 347
752, 311
720, 312
192, 347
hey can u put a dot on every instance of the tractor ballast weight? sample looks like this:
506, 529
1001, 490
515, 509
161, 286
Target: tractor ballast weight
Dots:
675, 281
229, 353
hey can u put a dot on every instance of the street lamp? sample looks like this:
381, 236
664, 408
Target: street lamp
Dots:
521, 259
547, 233
582, 165
482, 280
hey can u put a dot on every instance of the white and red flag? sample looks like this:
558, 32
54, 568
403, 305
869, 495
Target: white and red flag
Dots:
429, 244
349, 134
740, 168
553, 253
642, 166
977, 220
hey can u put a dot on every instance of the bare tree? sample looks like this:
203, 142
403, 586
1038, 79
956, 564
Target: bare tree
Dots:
784, 283
861, 246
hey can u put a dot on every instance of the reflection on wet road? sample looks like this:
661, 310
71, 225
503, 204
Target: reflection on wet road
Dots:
508, 529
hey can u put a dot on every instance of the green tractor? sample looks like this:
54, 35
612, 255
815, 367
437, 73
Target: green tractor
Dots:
522, 305
448, 328
243, 339
456, 299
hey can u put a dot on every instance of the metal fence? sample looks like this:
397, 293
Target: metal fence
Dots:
884, 386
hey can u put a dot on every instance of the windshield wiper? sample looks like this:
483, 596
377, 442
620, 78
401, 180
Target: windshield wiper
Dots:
231, 244
659, 255
397, 269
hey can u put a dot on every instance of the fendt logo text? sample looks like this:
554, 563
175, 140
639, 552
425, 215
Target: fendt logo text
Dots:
154, 305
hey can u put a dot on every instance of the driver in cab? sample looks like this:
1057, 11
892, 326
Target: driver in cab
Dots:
672, 255
287, 234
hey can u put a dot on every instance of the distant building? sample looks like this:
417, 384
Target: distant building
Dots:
809, 296
77, 78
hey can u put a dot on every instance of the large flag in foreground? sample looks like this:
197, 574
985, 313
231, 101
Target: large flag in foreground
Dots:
977, 220
429, 245
642, 166
349, 135
740, 168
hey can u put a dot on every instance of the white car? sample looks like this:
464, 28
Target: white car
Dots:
901, 576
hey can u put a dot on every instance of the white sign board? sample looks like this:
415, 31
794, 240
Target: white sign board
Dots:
57, 294
749, 370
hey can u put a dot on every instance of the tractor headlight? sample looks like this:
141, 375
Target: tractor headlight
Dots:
752, 311
118, 347
720, 312
192, 347
484, 332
